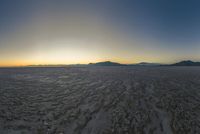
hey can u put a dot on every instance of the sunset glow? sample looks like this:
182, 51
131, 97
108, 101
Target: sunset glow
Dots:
68, 32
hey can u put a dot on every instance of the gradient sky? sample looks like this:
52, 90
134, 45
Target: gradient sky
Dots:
83, 31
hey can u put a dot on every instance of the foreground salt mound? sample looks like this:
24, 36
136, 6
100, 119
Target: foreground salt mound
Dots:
100, 100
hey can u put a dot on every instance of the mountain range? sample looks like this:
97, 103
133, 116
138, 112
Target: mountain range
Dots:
110, 63
107, 63
181, 63
186, 63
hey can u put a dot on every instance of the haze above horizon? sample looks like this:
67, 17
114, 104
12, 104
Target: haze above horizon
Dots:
77, 31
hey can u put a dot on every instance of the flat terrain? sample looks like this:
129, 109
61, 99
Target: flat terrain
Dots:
100, 100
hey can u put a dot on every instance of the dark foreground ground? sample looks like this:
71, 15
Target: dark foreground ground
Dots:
100, 100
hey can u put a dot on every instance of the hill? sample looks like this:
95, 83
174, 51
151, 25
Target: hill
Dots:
186, 63
106, 63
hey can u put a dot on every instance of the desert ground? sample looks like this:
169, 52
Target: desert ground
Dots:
100, 100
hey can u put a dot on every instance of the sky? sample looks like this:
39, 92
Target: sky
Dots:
36, 32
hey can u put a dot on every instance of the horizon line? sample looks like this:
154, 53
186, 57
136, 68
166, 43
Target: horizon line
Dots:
57, 65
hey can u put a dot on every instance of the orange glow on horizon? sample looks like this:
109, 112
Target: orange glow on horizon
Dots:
18, 63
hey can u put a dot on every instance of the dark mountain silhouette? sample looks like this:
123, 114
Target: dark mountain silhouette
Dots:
186, 63
106, 63
147, 64
109, 63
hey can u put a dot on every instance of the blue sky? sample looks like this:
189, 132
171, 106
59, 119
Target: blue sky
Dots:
77, 31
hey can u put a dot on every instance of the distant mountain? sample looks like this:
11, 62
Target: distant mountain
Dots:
145, 64
106, 63
186, 63
109, 63
148, 64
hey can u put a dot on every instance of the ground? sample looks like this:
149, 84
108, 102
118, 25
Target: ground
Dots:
100, 100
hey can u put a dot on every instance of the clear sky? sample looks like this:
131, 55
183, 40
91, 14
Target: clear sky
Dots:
83, 31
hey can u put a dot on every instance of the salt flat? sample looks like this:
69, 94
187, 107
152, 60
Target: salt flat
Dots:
100, 100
